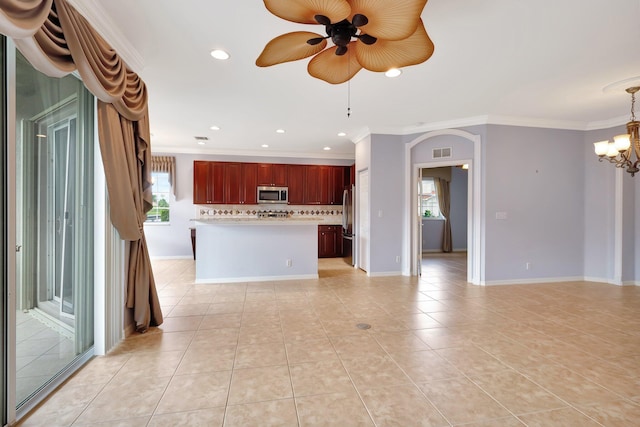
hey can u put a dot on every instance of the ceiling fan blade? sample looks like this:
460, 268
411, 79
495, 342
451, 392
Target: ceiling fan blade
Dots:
386, 54
304, 11
289, 47
389, 19
332, 68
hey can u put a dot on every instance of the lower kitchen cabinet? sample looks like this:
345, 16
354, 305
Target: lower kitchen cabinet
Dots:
329, 241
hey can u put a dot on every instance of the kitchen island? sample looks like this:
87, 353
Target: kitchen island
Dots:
251, 249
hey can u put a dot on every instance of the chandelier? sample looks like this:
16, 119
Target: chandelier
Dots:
624, 148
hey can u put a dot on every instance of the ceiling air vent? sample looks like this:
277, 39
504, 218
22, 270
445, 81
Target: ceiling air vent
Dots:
201, 138
441, 153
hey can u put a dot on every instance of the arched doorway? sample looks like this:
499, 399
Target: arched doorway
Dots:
413, 163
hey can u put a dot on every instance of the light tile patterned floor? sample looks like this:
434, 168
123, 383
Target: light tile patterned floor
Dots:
439, 352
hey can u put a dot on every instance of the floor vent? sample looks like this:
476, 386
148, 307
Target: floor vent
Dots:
441, 153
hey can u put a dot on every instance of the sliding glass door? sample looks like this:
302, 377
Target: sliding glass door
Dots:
54, 230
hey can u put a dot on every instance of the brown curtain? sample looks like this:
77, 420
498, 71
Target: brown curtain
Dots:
57, 40
166, 164
444, 201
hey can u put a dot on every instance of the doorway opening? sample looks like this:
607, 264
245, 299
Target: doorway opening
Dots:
443, 217
418, 155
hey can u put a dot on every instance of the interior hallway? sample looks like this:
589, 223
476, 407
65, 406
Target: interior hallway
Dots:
439, 352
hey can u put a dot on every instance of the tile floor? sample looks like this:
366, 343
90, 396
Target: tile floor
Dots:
439, 352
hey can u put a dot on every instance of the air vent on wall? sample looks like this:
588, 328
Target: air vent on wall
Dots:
441, 153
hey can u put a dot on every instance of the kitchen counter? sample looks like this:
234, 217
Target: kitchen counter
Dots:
252, 249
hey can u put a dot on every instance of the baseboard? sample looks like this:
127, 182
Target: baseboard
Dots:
256, 279
385, 274
532, 281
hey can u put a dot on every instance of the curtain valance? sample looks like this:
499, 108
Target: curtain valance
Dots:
57, 40
166, 164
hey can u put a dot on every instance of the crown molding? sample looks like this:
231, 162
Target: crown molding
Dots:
251, 153
95, 14
499, 120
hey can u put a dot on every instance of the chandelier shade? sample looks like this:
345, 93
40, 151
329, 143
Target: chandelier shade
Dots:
624, 150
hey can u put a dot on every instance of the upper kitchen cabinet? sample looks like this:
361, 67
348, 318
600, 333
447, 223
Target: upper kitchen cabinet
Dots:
240, 182
270, 174
208, 182
296, 183
317, 185
338, 180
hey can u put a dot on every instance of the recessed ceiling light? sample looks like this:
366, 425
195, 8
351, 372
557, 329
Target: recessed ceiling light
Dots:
394, 72
215, 128
265, 145
201, 143
219, 54
342, 134
279, 130
327, 148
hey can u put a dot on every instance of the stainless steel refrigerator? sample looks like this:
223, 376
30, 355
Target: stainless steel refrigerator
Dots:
348, 234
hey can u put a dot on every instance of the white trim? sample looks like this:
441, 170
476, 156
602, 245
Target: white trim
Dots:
10, 327
532, 281
385, 274
501, 120
256, 279
475, 259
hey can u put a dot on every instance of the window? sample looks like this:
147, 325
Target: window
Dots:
161, 189
429, 200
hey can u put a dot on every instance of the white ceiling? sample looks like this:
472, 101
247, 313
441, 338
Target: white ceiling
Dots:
542, 63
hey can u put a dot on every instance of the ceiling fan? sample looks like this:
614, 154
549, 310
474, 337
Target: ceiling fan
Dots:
373, 34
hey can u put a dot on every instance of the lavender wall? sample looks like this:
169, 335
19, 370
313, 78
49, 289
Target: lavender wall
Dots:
174, 240
534, 177
599, 193
459, 208
386, 181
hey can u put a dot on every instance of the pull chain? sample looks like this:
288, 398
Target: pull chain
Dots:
349, 85
349, 99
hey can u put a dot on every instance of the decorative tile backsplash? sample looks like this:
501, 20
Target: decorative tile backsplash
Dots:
331, 214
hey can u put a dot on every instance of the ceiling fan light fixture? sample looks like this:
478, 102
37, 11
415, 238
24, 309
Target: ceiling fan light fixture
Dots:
393, 72
220, 54
391, 33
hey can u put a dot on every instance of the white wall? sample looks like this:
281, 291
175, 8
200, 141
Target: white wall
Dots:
174, 240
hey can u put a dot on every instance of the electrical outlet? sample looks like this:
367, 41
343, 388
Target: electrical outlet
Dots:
289, 263
527, 265
398, 258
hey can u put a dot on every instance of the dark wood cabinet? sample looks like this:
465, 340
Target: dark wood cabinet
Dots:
272, 174
296, 183
338, 180
236, 182
329, 241
208, 182
317, 185
240, 183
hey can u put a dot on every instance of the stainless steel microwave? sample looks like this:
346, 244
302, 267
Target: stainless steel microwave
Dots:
273, 195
